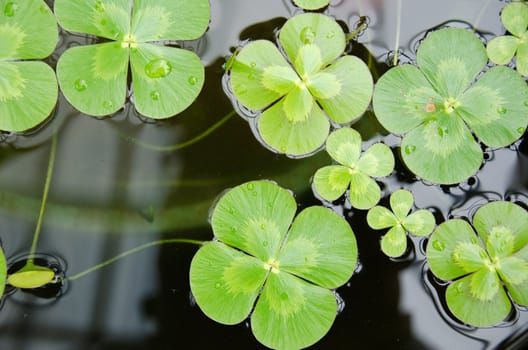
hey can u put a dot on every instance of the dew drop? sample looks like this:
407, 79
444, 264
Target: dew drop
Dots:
43, 9
80, 85
192, 80
251, 76
218, 285
483, 255
521, 130
459, 288
250, 186
108, 104
158, 68
154, 95
262, 226
284, 296
502, 110
307, 35
241, 89
10, 9
330, 34
526, 103
99, 6
254, 193
265, 243
233, 229
443, 131
231, 210
439, 245
253, 64
410, 149
103, 22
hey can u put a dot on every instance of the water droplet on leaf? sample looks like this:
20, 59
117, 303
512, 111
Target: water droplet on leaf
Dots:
330, 34
250, 186
483, 255
410, 149
233, 230
459, 288
255, 193
502, 110
439, 245
253, 64
218, 285
231, 210
192, 80
80, 85
284, 296
10, 9
526, 103
442, 131
108, 104
158, 68
154, 95
99, 6
521, 130
307, 35
265, 243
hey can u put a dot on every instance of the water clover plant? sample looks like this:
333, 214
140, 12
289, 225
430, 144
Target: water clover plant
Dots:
280, 272
28, 89
311, 4
437, 105
298, 92
419, 223
165, 80
501, 49
482, 266
354, 170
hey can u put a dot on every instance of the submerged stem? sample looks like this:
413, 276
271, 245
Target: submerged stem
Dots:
185, 144
47, 183
397, 40
130, 252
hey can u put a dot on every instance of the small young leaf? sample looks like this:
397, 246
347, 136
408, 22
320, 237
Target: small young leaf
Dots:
470, 257
311, 4
394, 243
324, 85
293, 138
171, 89
308, 60
377, 161
320, 248
280, 79
401, 203
380, 217
502, 48
514, 16
420, 223
31, 276
472, 310
364, 192
485, 284
513, 270
331, 182
291, 313
298, 104
170, 19
93, 78
344, 145
519, 291
225, 282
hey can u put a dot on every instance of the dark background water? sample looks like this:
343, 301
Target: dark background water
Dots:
110, 193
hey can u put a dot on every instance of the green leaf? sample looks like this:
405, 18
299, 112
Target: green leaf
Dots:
105, 18
169, 89
93, 78
291, 313
495, 107
320, 248
298, 104
498, 217
355, 93
377, 161
308, 60
451, 59
522, 59
442, 151
501, 49
470, 257
23, 105
312, 28
380, 217
519, 290
514, 16
280, 79
225, 282
394, 243
442, 244
250, 74
28, 30
324, 86
472, 310
401, 98
311, 4
331, 182
364, 192
485, 284
31, 276
420, 223
293, 138
401, 202
170, 19
3, 272
344, 146
254, 217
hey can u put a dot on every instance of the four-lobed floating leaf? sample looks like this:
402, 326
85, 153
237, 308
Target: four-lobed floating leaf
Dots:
28, 89
280, 272
483, 266
31, 276
502, 49
437, 105
354, 170
399, 221
165, 80
298, 93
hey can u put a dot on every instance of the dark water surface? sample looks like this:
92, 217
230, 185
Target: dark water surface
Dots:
110, 193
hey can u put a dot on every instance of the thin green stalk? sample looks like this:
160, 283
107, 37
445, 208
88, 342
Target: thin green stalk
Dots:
172, 148
47, 183
397, 41
480, 14
130, 252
